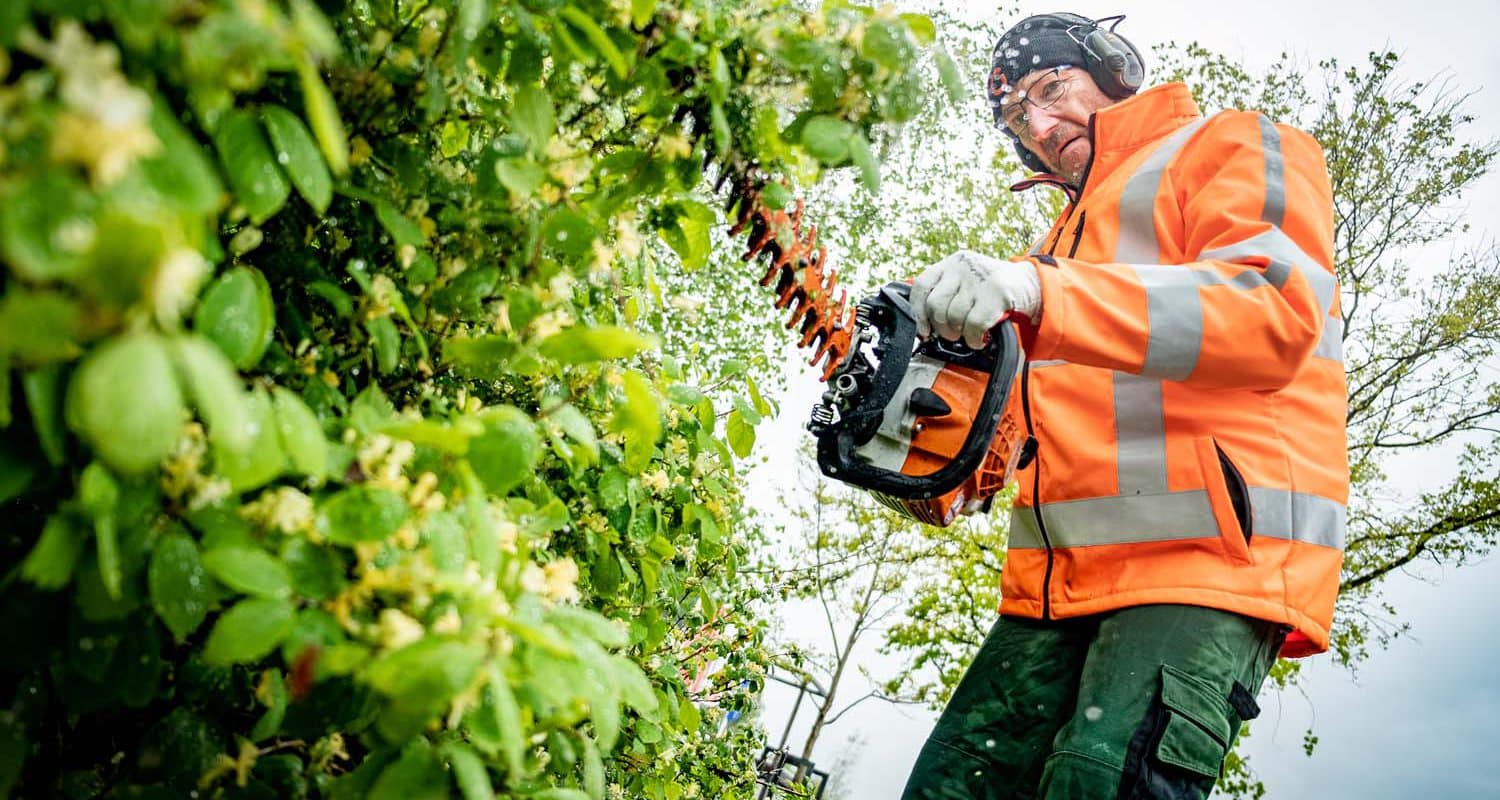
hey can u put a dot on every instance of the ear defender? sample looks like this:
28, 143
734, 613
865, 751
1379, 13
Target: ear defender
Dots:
1113, 61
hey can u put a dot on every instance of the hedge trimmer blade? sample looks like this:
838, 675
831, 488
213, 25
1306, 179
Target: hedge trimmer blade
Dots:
795, 264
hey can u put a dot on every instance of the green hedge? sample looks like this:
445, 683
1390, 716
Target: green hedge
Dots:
339, 457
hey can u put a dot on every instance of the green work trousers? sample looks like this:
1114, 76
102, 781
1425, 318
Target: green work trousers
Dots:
1138, 703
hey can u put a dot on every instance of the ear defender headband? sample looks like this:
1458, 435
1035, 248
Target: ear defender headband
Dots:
1046, 41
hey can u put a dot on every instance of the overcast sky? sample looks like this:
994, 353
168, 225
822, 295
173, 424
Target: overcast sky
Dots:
1423, 716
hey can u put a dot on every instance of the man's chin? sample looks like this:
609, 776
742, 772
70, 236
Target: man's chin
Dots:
1074, 160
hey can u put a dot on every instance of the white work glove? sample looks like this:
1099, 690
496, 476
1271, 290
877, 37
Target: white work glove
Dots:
967, 293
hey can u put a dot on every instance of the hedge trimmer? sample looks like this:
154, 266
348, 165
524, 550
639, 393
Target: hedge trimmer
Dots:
924, 426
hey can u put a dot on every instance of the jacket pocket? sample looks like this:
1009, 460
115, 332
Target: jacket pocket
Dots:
1229, 498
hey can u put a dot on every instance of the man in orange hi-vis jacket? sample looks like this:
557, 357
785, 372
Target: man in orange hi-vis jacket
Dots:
1182, 523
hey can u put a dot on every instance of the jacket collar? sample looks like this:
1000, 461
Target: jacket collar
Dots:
1124, 127
1143, 118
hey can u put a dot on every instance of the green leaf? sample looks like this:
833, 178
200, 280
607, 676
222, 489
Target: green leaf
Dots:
684, 394
577, 427
520, 176
361, 514
387, 343
323, 115
638, 418
449, 438
263, 460
598, 38
370, 410
180, 172
317, 572
958, 89
433, 667
237, 314
41, 326
249, 570
747, 410
593, 769
273, 695
473, 779
480, 357
532, 117
249, 631
922, 27
181, 590
454, 135
741, 434
124, 401
418, 775
47, 226
689, 717
688, 234
776, 196
641, 12
503, 456
568, 232
297, 153
501, 702
583, 344
258, 183
888, 43
761, 405
402, 230
828, 139
635, 688
50, 563
719, 125
614, 489
589, 624
216, 390
301, 434
560, 793
43, 388
869, 168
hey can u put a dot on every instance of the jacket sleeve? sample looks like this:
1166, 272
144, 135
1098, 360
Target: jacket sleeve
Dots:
1248, 208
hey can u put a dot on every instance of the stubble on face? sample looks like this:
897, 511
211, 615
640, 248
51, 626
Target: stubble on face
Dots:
1066, 151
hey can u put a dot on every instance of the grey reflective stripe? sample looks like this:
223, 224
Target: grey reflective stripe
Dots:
1051, 362
1140, 431
1036, 249
1308, 518
1137, 241
1285, 256
1117, 520
1276, 514
1270, 144
1142, 456
888, 448
1331, 345
1174, 320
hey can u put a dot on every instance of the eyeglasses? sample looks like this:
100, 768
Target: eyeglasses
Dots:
1044, 93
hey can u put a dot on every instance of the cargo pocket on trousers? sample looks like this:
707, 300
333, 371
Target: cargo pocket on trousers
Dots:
1180, 747
1196, 735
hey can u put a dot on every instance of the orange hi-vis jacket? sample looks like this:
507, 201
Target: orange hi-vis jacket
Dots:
1186, 385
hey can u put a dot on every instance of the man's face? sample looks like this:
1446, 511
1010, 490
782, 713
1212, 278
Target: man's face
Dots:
1059, 133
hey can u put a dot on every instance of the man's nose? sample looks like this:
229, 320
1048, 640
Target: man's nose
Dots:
1039, 123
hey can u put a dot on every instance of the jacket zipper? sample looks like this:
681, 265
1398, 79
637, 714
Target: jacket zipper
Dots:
1028, 454
1029, 451
1078, 232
